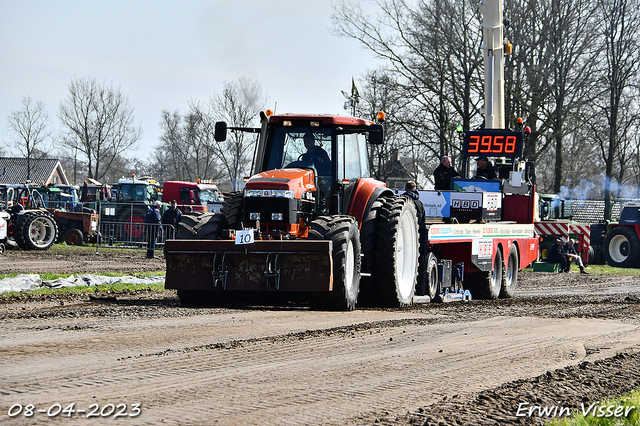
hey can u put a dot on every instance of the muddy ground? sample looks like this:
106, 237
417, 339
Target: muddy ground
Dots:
565, 340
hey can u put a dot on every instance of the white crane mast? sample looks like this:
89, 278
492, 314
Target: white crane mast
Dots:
493, 44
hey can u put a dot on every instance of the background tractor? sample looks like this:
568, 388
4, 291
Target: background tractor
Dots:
28, 223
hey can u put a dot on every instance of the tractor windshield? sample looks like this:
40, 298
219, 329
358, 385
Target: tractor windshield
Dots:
300, 146
209, 196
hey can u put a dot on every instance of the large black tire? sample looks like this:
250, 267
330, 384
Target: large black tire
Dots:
200, 226
597, 236
232, 210
510, 277
545, 249
622, 247
35, 231
487, 285
344, 234
74, 237
431, 277
397, 251
368, 233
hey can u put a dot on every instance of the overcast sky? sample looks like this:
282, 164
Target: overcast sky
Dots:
162, 53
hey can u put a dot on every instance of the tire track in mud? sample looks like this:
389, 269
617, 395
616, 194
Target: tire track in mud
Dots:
319, 378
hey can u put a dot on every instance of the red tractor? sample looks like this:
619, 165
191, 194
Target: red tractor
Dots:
309, 223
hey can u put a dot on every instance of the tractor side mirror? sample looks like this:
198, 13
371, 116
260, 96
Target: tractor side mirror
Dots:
376, 134
220, 132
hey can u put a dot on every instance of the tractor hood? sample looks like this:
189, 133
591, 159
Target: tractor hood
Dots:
298, 181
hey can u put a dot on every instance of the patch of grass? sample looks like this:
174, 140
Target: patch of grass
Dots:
50, 277
626, 401
114, 288
604, 270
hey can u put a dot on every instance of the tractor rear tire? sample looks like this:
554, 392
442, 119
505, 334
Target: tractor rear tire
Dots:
200, 226
397, 252
510, 277
622, 247
35, 231
74, 237
344, 234
367, 296
232, 210
487, 285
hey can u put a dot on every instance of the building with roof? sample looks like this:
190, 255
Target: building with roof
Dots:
18, 170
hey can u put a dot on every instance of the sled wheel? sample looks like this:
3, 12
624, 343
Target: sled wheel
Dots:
510, 277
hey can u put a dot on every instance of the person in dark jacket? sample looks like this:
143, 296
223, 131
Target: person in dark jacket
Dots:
569, 250
556, 255
153, 218
485, 169
173, 215
443, 173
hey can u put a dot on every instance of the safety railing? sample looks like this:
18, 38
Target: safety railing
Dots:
133, 235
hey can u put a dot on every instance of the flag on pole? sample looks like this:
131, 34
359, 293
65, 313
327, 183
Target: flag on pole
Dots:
354, 90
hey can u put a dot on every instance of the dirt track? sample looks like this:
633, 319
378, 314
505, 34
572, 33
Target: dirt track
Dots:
555, 343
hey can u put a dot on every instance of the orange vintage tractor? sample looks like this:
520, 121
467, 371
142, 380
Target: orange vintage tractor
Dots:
309, 224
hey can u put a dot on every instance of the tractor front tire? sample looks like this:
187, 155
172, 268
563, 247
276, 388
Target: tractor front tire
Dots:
344, 234
232, 210
397, 252
622, 247
74, 237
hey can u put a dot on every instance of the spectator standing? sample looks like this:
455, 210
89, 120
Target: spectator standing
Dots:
173, 215
153, 218
444, 173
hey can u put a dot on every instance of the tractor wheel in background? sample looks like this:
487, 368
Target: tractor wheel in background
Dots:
35, 231
74, 237
597, 236
2, 248
344, 234
622, 247
397, 251
487, 285
431, 275
232, 210
510, 277
545, 249
591, 256
200, 226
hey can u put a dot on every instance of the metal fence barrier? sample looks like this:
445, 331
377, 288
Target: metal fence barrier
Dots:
133, 235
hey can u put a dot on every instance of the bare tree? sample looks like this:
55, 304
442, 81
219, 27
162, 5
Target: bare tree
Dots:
99, 124
620, 35
238, 105
432, 54
30, 126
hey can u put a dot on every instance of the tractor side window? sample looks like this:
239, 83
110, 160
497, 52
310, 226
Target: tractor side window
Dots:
349, 166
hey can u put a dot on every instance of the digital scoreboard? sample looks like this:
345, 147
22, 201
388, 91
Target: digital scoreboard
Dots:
492, 143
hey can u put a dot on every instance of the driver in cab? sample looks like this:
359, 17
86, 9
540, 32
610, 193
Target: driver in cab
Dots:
316, 155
